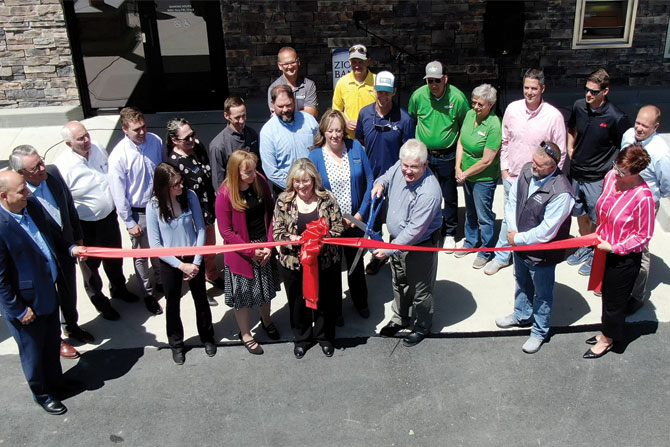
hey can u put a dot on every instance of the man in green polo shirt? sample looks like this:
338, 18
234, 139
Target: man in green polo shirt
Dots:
439, 110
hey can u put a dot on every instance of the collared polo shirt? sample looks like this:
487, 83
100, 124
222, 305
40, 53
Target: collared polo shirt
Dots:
438, 120
487, 135
304, 92
350, 96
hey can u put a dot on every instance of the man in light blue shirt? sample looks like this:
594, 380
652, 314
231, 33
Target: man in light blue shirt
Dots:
131, 178
657, 176
286, 137
414, 218
538, 210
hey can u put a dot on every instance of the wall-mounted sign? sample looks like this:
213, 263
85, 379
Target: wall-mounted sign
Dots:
340, 64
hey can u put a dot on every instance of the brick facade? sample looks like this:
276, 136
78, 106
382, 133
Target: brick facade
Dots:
449, 30
35, 58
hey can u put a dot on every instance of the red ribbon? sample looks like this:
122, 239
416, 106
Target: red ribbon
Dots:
312, 240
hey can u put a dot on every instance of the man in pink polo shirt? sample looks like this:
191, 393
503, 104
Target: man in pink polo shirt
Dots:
526, 123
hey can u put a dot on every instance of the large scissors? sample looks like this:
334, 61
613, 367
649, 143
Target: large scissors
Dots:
375, 206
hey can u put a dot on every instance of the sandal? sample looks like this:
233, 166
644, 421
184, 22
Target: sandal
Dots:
248, 344
270, 330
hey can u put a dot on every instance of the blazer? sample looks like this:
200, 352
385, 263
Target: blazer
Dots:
68, 213
25, 276
361, 175
233, 227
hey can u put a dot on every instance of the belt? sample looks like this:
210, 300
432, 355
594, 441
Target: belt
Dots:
139, 210
442, 152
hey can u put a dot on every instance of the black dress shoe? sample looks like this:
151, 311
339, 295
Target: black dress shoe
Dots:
391, 329
211, 301
110, 314
78, 334
271, 330
364, 312
127, 297
299, 352
53, 406
152, 305
633, 306
218, 283
328, 350
178, 356
413, 338
210, 348
592, 341
592, 355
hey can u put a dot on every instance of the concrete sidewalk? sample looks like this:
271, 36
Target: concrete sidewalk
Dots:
467, 301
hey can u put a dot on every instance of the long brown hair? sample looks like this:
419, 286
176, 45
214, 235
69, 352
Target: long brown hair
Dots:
324, 124
243, 159
163, 176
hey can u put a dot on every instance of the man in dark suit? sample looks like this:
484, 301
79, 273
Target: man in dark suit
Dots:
30, 250
51, 191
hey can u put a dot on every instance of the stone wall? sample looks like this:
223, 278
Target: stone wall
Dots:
449, 30
35, 58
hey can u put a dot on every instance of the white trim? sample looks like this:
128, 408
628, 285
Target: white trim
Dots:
625, 42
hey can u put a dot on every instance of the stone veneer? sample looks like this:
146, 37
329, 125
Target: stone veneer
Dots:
35, 58
450, 30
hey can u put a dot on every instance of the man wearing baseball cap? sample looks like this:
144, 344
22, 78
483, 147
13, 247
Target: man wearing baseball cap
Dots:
439, 109
382, 128
356, 89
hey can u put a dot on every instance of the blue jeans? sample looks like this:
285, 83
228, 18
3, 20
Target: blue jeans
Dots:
479, 216
534, 295
444, 169
504, 257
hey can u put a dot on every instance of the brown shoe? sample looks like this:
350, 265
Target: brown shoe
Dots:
67, 351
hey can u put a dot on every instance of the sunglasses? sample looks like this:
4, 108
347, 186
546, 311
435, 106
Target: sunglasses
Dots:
591, 91
359, 50
549, 151
286, 64
190, 136
433, 80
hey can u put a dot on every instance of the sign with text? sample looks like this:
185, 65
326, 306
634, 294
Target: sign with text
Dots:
340, 64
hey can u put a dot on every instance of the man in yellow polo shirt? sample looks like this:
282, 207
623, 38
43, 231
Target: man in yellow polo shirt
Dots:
356, 89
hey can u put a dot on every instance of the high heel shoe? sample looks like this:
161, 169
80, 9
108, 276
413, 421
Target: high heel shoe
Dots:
248, 344
592, 355
270, 330
592, 341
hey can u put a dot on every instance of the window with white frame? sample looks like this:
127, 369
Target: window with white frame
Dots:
604, 24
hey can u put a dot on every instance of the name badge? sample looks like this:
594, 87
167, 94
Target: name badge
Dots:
301, 96
195, 169
480, 133
449, 106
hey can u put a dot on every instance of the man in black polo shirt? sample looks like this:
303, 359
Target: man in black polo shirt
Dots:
236, 135
595, 129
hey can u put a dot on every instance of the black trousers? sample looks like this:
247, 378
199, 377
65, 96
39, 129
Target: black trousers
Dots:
172, 283
102, 233
358, 288
618, 281
66, 288
311, 325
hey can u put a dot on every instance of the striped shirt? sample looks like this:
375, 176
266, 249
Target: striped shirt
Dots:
625, 218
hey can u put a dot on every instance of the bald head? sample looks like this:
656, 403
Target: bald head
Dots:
647, 122
76, 136
13, 191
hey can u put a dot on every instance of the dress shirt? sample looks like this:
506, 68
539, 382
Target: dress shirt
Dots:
625, 218
415, 209
224, 144
29, 226
555, 214
657, 174
523, 130
283, 143
47, 200
87, 181
186, 230
131, 174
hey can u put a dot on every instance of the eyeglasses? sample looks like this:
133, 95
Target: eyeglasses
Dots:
478, 104
302, 182
35, 169
286, 64
618, 170
358, 50
190, 136
591, 91
549, 151
178, 184
433, 80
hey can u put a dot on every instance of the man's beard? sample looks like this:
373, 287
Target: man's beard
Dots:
287, 118
537, 175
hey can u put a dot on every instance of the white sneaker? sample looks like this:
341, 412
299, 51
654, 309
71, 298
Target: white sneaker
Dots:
449, 243
532, 345
493, 267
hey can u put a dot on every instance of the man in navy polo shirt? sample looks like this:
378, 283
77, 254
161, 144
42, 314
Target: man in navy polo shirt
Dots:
383, 127
595, 129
